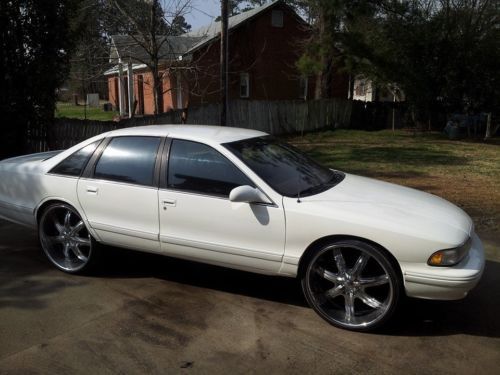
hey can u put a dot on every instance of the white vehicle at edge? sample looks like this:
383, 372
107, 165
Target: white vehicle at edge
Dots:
240, 198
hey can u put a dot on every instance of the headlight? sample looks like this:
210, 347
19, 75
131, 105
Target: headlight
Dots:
450, 257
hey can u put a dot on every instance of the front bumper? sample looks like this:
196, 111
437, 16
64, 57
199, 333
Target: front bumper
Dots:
445, 283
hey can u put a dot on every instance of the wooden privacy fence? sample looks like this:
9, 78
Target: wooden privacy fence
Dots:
274, 117
277, 117
67, 132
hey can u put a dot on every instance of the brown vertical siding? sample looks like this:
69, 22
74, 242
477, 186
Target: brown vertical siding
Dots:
268, 54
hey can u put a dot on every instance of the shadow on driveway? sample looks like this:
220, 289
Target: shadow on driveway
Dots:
478, 314
22, 263
26, 276
120, 263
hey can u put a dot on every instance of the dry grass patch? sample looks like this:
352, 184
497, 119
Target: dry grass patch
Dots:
464, 172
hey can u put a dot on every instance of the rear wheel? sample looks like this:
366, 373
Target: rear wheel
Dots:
66, 240
352, 284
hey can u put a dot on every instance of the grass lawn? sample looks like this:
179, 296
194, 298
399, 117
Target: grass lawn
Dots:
464, 172
70, 110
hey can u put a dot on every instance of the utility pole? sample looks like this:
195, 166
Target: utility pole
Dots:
224, 86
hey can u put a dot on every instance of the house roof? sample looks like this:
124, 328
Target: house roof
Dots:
212, 31
127, 48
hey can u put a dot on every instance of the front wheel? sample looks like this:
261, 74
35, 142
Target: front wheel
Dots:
66, 240
352, 285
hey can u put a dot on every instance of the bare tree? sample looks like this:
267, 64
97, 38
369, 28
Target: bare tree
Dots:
149, 26
224, 55
91, 53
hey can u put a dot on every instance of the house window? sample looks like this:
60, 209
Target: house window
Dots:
244, 85
303, 87
361, 89
277, 18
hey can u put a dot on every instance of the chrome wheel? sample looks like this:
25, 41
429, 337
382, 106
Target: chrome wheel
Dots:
64, 238
351, 285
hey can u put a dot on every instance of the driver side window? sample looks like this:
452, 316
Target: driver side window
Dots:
198, 168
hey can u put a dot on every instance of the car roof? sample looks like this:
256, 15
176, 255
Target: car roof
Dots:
205, 133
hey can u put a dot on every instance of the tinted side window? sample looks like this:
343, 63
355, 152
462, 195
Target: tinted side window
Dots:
73, 165
129, 159
199, 168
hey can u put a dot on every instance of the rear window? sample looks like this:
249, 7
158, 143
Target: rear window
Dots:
74, 164
129, 159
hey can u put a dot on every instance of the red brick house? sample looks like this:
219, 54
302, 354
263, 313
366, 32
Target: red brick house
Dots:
264, 44
130, 82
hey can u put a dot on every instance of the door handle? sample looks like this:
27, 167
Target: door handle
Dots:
169, 202
92, 190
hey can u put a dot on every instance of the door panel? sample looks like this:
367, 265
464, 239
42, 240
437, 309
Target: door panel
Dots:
198, 221
121, 214
216, 229
120, 196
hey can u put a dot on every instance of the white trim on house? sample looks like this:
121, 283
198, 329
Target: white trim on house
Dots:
121, 88
114, 69
130, 81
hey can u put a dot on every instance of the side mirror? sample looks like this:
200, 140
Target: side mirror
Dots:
247, 194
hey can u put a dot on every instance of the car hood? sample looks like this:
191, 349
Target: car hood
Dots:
379, 200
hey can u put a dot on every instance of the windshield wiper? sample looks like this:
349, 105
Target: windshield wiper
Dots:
334, 180
311, 190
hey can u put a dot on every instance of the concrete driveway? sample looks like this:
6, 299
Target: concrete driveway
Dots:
150, 314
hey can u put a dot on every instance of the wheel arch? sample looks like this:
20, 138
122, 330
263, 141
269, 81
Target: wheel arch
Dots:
323, 241
47, 202
51, 200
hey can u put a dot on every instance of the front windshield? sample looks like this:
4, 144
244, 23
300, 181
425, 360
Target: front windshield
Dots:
283, 167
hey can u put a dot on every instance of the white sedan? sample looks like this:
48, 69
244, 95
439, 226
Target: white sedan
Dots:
242, 199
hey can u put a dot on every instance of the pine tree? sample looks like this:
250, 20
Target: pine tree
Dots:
36, 43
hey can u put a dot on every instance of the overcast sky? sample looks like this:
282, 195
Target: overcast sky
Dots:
204, 12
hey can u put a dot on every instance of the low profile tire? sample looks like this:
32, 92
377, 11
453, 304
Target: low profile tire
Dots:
352, 285
66, 240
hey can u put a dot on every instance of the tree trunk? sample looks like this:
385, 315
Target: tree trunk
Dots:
317, 86
320, 90
157, 90
488, 127
224, 63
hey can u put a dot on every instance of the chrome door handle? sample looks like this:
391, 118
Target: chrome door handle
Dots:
92, 189
169, 202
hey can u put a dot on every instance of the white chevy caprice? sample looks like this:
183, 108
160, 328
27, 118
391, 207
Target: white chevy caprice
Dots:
242, 199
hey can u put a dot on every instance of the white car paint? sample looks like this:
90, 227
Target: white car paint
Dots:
223, 232
117, 219
410, 224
